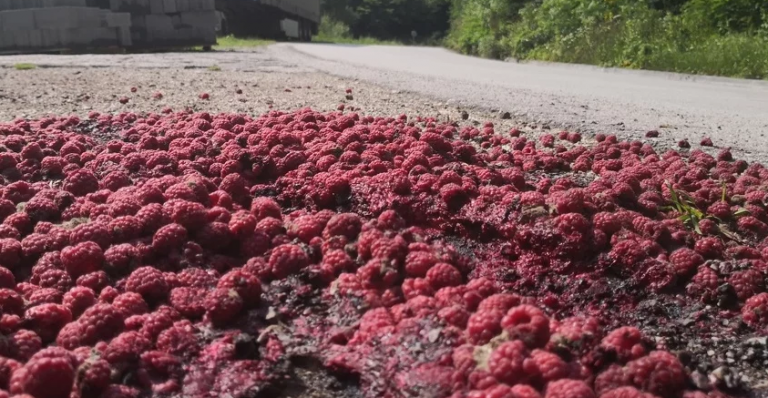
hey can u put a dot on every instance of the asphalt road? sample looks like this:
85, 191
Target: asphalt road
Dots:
733, 112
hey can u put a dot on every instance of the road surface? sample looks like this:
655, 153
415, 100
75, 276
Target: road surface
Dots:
733, 112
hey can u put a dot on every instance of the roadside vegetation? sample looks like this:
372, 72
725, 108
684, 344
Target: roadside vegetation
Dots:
230, 41
714, 37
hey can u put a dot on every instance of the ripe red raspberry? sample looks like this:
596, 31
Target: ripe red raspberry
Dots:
755, 310
506, 362
47, 319
78, 299
484, 325
7, 367
130, 303
121, 258
685, 261
286, 260
10, 252
710, 248
99, 322
242, 224
81, 182
262, 207
442, 275
82, 258
607, 222
747, 283
524, 391
390, 219
44, 295
527, 323
191, 215
188, 301
704, 284
306, 227
627, 392
272, 227
659, 373
126, 348
93, 376
501, 302
151, 218
149, 282
169, 237
337, 261
223, 306
198, 277
247, 286
567, 388
56, 279
214, 236
345, 224
626, 342
414, 287
572, 223
94, 280
25, 343
48, 374
92, 231
179, 339
124, 228
750, 224
11, 302
550, 367
417, 263
454, 315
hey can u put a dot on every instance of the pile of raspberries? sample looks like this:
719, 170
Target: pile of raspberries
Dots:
194, 255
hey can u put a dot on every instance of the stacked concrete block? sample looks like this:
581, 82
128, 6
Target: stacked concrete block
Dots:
170, 23
60, 24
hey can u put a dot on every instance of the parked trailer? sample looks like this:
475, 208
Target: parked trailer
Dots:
271, 19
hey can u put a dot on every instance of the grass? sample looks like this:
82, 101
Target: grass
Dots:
366, 41
214, 68
24, 66
231, 41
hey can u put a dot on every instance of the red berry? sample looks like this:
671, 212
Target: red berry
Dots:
527, 323
222, 306
286, 260
569, 389
659, 373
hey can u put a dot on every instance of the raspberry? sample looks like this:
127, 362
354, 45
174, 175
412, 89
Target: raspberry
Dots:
501, 302
47, 319
626, 392
81, 182
270, 226
95, 280
442, 275
685, 261
25, 343
188, 301
151, 217
93, 377
576, 332
149, 282
179, 339
286, 260
265, 207
222, 306
506, 362
214, 236
78, 299
755, 310
527, 323
55, 278
169, 237
191, 215
306, 228
7, 367
121, 258
747, 283
704, 284
710, 248
524, 391
659, 373
10, 252
484, 325
337, 261
130, 304
198, 277
567, 388
625, 341
44, 295
99, 322
345, 224
82, 258
390, 219
247, 286
125, 228
126, 348
550, 366
454, 315
242, 224
418, 263
11, 302
50, 375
